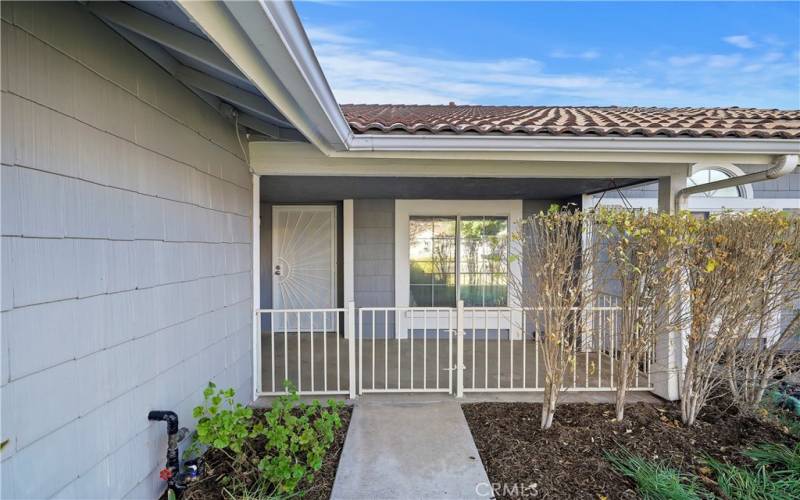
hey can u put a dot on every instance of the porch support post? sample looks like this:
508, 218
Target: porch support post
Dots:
347, 249
670, 347
460, 349
255, 244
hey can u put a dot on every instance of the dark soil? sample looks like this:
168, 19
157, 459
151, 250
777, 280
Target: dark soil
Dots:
567, 461
218, 466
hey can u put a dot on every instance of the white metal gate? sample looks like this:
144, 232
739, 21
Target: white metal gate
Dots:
405, 349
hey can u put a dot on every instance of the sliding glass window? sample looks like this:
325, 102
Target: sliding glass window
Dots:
455, 258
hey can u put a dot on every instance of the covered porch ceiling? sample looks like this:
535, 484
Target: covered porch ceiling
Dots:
308, 189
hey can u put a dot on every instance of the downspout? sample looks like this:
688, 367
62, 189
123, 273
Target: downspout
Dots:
781, 166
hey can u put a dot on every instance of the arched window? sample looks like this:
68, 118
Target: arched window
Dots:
707, 175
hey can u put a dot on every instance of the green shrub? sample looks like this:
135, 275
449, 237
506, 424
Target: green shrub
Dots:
297, 440
654, 480
222, 423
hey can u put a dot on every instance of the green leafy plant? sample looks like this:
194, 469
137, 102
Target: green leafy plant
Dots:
222, 423
655, 480
297, 438
273, 454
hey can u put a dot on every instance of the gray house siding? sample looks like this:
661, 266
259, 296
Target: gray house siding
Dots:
125, 257
787, 186
373, 258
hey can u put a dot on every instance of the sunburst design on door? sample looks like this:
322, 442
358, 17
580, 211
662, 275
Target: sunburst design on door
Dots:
304, 257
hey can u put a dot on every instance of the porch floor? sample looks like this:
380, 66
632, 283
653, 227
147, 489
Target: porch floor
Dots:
387, 364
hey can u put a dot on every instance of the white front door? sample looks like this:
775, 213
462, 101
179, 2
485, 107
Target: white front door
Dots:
303, 258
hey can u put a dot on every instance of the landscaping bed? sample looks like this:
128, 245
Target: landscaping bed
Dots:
569, 460
221, 481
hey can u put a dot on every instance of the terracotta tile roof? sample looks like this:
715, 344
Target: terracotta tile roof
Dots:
573, 121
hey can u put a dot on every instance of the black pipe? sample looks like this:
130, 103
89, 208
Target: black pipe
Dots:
171, 419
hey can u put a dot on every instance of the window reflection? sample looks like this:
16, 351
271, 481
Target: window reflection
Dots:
482, 246
432, 254
484, 261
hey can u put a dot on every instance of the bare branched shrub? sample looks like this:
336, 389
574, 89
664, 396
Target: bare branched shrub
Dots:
643, 262
558, 265
765, 351
723, 272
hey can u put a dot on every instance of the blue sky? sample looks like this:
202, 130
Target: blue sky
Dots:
743, 54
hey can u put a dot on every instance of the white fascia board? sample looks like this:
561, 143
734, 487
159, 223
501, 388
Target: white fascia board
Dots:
245, 33
288, 26
286, 158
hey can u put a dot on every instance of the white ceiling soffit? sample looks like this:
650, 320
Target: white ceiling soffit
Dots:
163, 32
267, 42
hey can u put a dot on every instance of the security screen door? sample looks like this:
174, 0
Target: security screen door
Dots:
303, 261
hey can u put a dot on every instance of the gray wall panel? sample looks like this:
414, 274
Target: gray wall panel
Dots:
126, 264
373, 265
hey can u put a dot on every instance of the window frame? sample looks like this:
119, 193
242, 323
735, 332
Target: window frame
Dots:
713, 194
405, 209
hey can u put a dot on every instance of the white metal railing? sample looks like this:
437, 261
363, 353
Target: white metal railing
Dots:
306, 347
410, 349
502, 351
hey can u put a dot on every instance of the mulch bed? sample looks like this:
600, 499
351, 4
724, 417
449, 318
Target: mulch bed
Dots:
567, 460
217, 466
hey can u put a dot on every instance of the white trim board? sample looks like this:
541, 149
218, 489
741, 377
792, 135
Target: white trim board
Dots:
348, 257
256, 283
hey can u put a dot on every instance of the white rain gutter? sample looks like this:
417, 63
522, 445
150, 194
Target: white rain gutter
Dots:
433, 143
781, 166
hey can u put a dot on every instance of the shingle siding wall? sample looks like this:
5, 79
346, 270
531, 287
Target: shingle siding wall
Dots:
787, 186
125, 257
373, 258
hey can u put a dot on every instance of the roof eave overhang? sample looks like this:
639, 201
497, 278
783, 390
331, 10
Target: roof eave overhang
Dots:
266, 40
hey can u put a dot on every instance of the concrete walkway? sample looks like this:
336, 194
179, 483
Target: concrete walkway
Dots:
404, 449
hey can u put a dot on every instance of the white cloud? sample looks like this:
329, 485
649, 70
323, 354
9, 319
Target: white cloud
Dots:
723, 61
361, 71
741, 41
586, 54
684, 60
